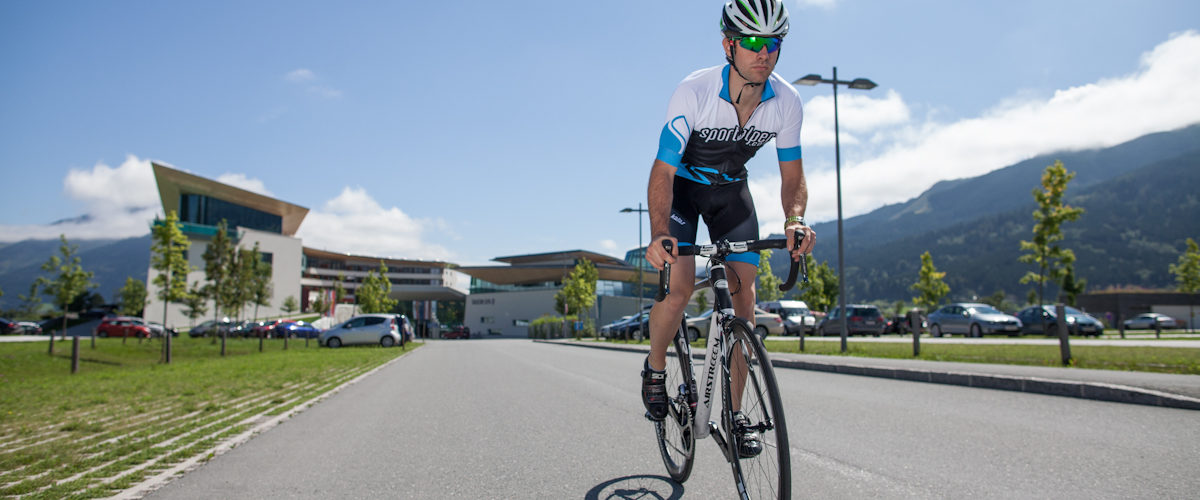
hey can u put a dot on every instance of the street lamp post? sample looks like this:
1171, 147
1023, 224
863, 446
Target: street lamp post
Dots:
861, 84
641, 268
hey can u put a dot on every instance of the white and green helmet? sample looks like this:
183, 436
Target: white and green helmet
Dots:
768, 18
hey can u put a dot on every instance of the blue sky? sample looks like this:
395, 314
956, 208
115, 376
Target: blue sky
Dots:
463, 131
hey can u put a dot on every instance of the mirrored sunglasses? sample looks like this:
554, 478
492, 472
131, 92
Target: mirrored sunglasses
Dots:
756, 43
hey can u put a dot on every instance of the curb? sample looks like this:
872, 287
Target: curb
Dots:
1035, 385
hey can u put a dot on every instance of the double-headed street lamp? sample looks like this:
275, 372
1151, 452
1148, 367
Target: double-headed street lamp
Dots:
861, 84
641, 264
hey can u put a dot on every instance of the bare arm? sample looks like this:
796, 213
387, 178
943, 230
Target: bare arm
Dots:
794, 194
660, 194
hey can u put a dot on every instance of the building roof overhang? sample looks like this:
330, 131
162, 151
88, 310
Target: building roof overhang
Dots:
172, 183
373, 261
531, 274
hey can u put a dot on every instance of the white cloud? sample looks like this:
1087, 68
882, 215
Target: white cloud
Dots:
907, 157
306, 78
299, 75
609, 247
118, 202
355, 223
241, 181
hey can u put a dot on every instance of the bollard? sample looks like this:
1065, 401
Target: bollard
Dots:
285, 339
914, 326
1157, 329
75, 355
260, 342
1063, 334
802, 333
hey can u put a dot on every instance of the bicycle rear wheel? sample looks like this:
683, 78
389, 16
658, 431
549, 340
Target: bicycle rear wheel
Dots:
676, 439
769, 473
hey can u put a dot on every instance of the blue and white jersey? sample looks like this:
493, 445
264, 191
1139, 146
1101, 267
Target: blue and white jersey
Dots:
702, 138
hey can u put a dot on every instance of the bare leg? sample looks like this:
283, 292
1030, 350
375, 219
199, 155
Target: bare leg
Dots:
743, 307
665, 316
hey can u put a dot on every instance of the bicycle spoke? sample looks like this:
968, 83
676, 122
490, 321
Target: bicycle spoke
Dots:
767, 473
676, 438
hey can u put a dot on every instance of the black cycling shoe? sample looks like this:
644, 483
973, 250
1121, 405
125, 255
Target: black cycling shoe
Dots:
749, 443
654, 392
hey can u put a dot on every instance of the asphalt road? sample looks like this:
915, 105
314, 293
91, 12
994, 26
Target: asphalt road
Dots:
514, 419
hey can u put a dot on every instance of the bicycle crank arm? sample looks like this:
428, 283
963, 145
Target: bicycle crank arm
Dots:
728, 451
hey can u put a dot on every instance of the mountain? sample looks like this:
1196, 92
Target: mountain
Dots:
110, 260
1140, 199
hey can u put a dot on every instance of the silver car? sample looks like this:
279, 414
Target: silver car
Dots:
1148, 320
363, 329
972, 320
765, 323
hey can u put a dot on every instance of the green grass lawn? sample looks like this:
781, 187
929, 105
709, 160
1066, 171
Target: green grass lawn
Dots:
125, 415
1136, 358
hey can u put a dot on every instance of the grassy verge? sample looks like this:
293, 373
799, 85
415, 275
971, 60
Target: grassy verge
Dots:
1134, 358
124, 416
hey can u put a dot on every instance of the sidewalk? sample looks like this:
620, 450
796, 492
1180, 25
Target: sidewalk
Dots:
1154, 389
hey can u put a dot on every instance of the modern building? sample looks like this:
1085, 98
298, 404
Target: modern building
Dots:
1120, 305
505, 299
296, 271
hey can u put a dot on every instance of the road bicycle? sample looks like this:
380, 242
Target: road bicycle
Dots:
747, 383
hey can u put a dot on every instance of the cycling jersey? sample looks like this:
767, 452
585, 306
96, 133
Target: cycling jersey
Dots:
702, 138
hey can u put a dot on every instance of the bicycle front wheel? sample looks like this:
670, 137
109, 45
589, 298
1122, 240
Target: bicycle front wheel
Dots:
751, 389
676, 439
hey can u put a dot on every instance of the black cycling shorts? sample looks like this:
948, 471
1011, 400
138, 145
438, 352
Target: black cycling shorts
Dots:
726, 209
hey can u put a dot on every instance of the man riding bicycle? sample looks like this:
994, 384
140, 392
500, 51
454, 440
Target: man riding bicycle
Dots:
717, 119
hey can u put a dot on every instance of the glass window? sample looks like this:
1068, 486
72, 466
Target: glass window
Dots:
372, 321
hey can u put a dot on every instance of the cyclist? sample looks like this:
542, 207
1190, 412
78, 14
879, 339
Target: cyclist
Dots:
717, 119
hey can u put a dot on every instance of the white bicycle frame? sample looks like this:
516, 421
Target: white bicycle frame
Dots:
715, 352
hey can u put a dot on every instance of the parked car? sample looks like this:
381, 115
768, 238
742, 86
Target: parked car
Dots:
608, 331
296, 329
797, 318
121, 326
265, 328
9, 327
363, 329
245, 328
765, 324
30, 328
973, 320
211, 327
457, 332
899, 325
1148, 320
1078, 322
860, 319
633, 328
157, 329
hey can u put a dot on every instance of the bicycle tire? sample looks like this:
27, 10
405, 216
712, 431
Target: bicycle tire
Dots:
675, 433
769, 474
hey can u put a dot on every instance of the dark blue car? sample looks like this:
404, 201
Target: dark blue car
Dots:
297, 329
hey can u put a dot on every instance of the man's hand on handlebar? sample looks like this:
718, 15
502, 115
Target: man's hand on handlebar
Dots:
806, 246
657, 256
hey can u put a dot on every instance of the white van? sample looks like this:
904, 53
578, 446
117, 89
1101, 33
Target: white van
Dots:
797, 317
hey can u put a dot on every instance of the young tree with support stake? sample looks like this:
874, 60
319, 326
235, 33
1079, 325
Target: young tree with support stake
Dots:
218, 268
373, 294
930, 286
1187, 274
768, 283
71, 281
167, 257
1052, 260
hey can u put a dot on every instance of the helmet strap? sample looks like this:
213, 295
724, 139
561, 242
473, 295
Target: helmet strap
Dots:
733, 47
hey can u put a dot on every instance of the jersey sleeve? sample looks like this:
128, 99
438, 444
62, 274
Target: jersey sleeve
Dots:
681, 113
787, 142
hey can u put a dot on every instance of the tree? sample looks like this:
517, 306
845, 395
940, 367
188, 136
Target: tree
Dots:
768, 283
167, 257
318, 305
822, 290
1187, 274
1000, 301
1051, 259
68, 281
245, 273
930, 286
290, 305
702, 301
260, 281
218, 269
339, 291
132, 297
196, 303
373, 294
1072, 287
579, 290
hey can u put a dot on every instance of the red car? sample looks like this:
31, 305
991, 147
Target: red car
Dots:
458, 332
121, 326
